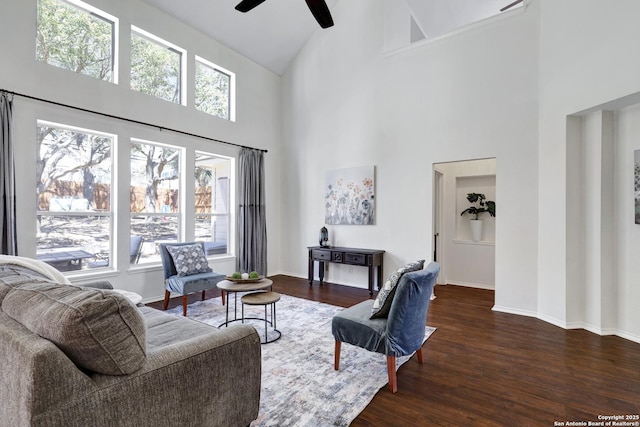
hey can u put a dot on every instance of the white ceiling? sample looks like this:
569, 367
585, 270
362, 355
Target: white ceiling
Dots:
271, 34
274, 32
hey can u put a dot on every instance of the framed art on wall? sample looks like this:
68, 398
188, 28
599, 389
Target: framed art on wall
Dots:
636, 184
350, 196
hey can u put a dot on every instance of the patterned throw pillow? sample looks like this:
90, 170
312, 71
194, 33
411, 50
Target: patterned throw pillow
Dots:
189, 259
382, 304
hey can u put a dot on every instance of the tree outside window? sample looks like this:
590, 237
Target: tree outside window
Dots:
76, 37
156, 66
73, 193
213, 89
155, 201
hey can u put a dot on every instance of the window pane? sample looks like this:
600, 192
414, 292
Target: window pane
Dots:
155, 206
212, 202
74, 39
155, 229
73, 190
212, 91
155, 68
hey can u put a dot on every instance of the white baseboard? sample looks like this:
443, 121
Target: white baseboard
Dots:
628, 336
472, 285
510, 310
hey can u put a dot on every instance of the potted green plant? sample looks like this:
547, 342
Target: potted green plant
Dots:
480, 204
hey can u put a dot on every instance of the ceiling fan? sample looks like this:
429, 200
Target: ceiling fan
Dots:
318, 8
510, 5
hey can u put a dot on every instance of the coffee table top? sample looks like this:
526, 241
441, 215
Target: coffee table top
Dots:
229, 286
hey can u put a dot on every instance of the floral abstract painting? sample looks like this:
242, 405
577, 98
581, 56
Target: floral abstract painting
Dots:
636, 184
350, 196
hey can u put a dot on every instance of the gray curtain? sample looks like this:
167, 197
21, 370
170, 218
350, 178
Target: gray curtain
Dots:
252, 223
8, 241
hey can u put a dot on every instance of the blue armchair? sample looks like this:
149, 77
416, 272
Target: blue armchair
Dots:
399, 334
185, 285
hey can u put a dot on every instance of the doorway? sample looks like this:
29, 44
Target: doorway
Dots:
464, 260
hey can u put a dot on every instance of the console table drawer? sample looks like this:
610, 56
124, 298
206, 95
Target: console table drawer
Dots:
322, 255
356, 259
370, 258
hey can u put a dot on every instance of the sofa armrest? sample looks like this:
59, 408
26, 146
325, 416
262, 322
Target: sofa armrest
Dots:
100, 284
35, 375
211, 379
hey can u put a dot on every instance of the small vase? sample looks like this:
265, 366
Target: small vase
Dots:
476, 229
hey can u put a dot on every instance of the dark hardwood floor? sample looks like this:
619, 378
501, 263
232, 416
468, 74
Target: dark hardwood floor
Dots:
484, 368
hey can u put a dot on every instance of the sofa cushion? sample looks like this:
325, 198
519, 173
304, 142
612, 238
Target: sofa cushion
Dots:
382, 303
189, 259
99, 330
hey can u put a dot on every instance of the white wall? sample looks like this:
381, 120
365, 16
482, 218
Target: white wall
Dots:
257, 110
471, 95
521, 88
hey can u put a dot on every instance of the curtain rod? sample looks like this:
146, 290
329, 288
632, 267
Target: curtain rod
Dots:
111, 116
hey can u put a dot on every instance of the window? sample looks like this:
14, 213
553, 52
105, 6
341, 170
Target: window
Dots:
214, 89
73, 193
156, 67
212, 202
155, 201
77, 37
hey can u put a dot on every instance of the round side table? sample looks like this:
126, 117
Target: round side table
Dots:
266, 299
233, 288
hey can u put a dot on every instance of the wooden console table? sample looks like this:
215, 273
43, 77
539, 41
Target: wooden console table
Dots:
371, 258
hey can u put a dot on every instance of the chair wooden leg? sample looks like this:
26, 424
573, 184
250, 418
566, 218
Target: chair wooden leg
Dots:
203, 295
336, 362
223, 297
391, 370
185, 299
419, 354
167, 294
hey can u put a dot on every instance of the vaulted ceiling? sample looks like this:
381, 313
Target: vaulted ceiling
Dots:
274, 32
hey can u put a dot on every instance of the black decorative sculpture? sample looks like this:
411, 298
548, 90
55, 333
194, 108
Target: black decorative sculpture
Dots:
324, 237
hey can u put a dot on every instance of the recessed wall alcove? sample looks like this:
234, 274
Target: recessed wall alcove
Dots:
602, 238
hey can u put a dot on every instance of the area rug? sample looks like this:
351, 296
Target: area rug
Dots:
299, 385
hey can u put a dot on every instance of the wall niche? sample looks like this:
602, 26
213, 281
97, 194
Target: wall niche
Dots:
484, 184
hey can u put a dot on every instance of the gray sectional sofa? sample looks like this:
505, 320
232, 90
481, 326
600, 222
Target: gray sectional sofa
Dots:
80, 356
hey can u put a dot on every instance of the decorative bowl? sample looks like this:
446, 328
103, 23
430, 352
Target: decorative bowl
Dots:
257, 279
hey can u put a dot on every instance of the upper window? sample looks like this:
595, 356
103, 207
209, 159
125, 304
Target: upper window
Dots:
214, 89
73, 192
212, 202
155, 201
78, 37
157, 67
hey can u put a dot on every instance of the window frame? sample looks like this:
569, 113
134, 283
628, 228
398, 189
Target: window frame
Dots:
180, 214
110, 214
99, 14
232, 86
229, 201
182, 79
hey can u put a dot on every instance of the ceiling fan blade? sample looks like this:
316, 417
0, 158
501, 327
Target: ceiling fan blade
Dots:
247, 5
510, 5
321, 12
